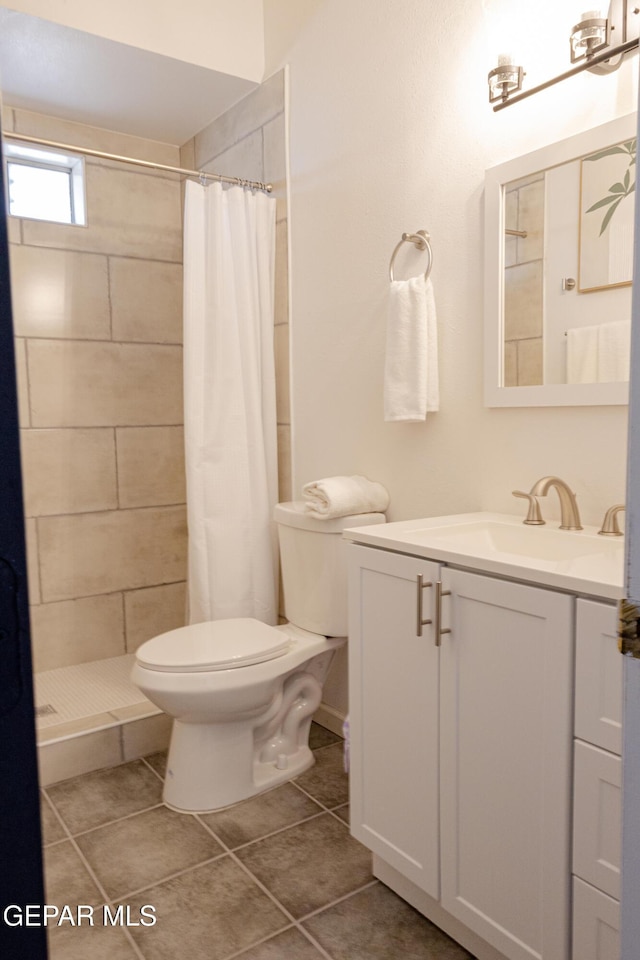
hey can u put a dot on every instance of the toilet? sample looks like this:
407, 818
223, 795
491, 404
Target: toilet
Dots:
241, 693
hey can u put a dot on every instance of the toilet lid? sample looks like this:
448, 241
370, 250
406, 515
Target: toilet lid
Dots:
215, 645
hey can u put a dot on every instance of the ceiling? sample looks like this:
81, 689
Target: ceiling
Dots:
53, 69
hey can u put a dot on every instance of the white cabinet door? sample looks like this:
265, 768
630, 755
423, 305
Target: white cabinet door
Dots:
596, 924
597, 817
505, 763
393, 713
598, 676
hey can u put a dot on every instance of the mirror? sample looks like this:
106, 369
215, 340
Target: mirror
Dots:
558, 270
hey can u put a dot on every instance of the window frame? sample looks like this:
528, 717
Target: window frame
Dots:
47, 158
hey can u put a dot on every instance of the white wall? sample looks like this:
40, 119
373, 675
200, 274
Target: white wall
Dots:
225, 35
391, 130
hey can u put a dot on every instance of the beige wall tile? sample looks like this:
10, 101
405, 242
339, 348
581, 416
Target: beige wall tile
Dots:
142, 737
70, 758
530, 362
253, 111
33, 572
281, 346
522, 301
68, 471
92, 553
511, 223
284, 463
275, 170
243, 159
56, 293
70, 728
531, 220
153, 611
188, 154
281, 298
14, 229
75, 383
95, 138
146, 300
511, 363
77, 631
22, 381
7, 118
151, 468
130, 214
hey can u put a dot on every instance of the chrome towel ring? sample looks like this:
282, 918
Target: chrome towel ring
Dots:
421, 240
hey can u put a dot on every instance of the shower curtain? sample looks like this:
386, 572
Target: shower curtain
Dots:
230, 411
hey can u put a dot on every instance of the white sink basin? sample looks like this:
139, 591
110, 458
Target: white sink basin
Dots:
579, 561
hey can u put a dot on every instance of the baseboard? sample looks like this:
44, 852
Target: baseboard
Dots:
330, 718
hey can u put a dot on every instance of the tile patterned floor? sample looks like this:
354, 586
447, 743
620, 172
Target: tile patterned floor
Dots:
277, 877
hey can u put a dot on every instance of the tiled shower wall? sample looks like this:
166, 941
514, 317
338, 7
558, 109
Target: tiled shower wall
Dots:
98, 323
249, 141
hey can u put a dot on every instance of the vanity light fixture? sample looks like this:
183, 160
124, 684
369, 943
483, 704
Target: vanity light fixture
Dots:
504, 79
590, 49
589, 36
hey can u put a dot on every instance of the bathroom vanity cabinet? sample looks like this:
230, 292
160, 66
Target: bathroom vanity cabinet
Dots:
597, 781
463, 745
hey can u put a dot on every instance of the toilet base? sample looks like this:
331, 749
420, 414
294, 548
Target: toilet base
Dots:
209, 768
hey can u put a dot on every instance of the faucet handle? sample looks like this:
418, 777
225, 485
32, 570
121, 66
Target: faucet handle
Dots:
534, 516
610, 526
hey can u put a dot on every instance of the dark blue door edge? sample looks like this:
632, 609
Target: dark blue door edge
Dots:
20, 835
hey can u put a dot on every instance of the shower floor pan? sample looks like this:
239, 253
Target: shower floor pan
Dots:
90, 716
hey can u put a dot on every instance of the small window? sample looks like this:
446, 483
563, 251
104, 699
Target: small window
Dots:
43, 184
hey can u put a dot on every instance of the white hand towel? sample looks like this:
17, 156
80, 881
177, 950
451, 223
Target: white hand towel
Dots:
340, 496
411, 361
582, 354
614, 342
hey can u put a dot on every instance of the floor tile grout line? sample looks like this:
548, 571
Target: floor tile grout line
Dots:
262, 887
90, 871
108, 823
158, 775
295, 926
250, 874
274, 833
130, 939
58, 818
170, 876
323, 805
309, 936
347, 896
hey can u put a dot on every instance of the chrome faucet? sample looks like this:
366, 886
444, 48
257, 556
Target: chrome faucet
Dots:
610, 526
569, 514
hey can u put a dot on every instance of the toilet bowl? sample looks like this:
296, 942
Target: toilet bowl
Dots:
241, 693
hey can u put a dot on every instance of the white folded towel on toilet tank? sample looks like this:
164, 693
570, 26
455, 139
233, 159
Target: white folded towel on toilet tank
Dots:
340, 496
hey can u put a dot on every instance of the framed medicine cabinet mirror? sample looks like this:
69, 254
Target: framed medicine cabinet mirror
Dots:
558, 271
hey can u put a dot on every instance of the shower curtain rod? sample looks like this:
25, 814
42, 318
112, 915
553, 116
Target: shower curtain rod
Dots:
200, 174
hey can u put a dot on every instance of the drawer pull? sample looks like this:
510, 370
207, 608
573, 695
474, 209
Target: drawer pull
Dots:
439, 629
421, 623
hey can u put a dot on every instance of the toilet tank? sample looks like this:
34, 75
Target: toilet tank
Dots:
313, 557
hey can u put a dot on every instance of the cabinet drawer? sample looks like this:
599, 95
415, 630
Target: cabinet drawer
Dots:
596, 924
597, 817
598, 711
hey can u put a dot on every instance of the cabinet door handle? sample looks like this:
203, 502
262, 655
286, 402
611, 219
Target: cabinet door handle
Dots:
421, 623
439, 629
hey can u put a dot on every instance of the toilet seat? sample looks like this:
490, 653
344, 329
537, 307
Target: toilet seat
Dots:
215, 645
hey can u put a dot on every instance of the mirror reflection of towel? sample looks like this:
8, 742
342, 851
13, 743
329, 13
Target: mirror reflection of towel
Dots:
599, 353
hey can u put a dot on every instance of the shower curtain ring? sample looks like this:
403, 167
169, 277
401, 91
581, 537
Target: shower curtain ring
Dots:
203, 178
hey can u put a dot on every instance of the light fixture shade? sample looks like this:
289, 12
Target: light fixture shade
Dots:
504, 79
589, 37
